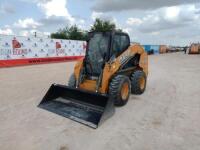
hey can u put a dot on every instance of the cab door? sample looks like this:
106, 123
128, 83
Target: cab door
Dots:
121, 42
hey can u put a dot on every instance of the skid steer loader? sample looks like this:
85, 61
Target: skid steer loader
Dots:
111, 70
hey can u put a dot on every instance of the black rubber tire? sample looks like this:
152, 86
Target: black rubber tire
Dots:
115, 88
72, 81
135, 82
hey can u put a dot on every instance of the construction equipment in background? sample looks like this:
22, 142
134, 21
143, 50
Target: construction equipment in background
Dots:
194, 48
111, 70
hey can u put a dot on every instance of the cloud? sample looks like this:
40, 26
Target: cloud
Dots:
155, 33
28, 23
96, 15
176, 25
24, 33
119, 5
127, 30
6, 31
167, 18
81, 23
53, 23
54, 20
32, 33
56, 14
103, 16
55, 8
7, 8
134, 21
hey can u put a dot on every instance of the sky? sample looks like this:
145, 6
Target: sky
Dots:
171, 22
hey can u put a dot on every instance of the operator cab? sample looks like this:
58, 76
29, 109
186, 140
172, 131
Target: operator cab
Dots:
103, 46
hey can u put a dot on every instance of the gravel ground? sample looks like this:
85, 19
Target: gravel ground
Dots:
165, 117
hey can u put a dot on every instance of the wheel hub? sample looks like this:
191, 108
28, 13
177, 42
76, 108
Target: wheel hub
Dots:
125, 91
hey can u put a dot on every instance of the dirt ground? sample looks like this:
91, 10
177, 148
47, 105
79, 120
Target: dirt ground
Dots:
166, 116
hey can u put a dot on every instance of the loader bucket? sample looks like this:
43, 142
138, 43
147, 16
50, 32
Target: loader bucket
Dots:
82, 106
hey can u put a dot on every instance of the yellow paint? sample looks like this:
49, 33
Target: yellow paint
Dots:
110, 69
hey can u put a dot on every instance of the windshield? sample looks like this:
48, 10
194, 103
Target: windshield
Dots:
97, 50
98, 45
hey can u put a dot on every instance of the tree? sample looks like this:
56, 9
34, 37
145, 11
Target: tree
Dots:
72, 33
75, 33
102, 26
60, 34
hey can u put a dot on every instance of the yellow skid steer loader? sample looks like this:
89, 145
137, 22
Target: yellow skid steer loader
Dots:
111, 70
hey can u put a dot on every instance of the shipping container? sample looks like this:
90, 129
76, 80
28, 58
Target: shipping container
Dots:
194, 49
163, 49
148, 49
152, 49
155, 48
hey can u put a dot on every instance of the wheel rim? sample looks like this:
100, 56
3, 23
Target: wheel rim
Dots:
125, 91
142, 83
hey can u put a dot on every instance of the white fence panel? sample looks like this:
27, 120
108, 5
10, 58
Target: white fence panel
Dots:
19, 47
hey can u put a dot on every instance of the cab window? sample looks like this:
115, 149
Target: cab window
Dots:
120, 44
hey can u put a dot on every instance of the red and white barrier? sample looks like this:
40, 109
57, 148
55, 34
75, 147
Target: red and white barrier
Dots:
25, 50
